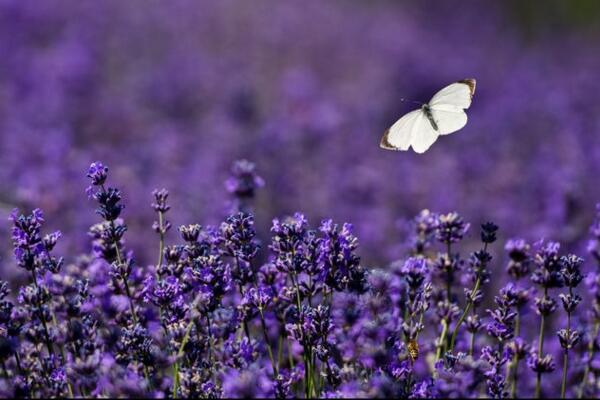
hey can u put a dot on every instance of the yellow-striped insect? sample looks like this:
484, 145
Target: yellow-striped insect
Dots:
413, 349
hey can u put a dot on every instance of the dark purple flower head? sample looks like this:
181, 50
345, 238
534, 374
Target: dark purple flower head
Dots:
516, 296
495, 379
503, 316
244, 180
283, 385
241, 353
542, 365
242, 184
163, 292
311, 325
568, 338
339, 263
477, 266
212, 277
31, 250
135, 344
98, 173
259, 297
425, 225
415, 271
451, 228
571, 270
520, 259
548, 266
190, 233
447, 311
545, 306
108, 203
423, 390
488, 232
289, 244
519, 348
4, 289
569, 301
237, 239
473, 323
160, 200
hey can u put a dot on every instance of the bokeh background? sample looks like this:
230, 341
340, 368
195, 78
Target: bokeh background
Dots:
169, 94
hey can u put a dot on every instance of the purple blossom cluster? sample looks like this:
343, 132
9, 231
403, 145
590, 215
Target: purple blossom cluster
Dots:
223, 314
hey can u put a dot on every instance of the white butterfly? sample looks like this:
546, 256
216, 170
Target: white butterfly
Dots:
443, 114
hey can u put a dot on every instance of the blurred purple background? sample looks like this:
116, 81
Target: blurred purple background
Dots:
169, 94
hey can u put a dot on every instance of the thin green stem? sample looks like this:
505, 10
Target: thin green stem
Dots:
244, 322
464, 314
269, 349
4, 371
161, 244
449, 272
590, 354
440, 344
513, 367
472, 344
538, 381
563, 388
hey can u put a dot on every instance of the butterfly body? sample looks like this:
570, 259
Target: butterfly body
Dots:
444, 114
427, 110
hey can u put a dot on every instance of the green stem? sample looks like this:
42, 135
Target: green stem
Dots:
464, 314
590, 354
161, 245
438, 353
449, 274
563, 388
269, 349
538, 381
514, 365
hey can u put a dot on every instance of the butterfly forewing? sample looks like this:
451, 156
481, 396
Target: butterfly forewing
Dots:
399, 136
458, 94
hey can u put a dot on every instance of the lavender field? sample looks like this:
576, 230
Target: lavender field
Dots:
194, 203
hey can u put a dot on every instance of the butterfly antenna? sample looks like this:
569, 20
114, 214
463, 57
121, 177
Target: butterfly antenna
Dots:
412, 101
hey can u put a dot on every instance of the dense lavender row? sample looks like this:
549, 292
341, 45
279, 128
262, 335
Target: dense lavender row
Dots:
210, 320
182, 88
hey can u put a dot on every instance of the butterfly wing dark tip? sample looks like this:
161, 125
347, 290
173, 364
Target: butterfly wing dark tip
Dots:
471, 84
384, 143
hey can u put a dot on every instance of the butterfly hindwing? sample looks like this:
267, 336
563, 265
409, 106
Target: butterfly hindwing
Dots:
423, 135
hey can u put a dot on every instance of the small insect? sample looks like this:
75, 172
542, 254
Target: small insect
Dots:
443, 115
413, 349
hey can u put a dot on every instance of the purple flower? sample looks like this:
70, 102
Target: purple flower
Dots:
97, 172
520, 259
339, 263
451, 228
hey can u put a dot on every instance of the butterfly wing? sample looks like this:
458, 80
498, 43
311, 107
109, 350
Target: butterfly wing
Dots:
399, 136
448, 105
458, 94
413, 129
423, 134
